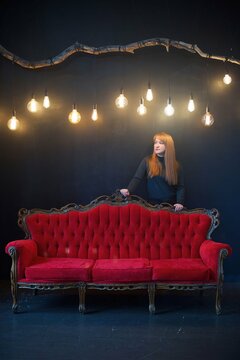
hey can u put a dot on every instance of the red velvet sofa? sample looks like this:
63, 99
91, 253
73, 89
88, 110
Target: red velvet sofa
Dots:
117, 244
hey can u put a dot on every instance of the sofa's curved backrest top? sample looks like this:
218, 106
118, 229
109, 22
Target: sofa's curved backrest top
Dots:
127, 230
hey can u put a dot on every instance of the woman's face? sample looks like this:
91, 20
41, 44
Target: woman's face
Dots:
159, 147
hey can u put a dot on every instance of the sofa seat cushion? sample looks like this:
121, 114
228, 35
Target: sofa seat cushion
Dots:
180, 270
121, 270
62, 269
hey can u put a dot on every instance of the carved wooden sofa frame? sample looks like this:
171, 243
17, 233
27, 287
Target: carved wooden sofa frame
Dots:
150, 286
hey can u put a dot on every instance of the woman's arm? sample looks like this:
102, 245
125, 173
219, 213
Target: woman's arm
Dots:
137, 178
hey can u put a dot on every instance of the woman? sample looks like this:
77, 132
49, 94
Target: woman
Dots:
165, 182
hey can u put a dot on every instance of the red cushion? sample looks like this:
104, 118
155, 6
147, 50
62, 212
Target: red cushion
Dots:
122, 270
180, 270
62, 269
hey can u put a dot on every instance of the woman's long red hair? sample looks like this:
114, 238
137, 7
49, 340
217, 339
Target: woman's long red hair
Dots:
171, 165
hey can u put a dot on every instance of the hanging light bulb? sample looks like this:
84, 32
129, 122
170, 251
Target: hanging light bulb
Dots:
33, 105
74, 117
149, 94
142, 110
227, 79
94, 116
169, 109
191, 105
13, 123
46, 101
121, 101
207, 118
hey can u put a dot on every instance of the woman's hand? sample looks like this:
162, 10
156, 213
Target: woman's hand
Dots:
178, 207
124, 192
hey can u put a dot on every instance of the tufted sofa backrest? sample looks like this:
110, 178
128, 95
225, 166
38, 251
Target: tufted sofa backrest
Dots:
126, 231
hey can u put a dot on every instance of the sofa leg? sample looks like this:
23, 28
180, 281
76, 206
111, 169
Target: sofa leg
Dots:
222, 255
14, 297
218, 299
151, 295
82, 293
13, 278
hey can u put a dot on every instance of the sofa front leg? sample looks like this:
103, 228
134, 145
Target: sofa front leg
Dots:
222, 255
151, 295
218, 299
82, 295
14, 296
13, 278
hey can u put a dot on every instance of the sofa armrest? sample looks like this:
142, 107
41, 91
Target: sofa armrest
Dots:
23, 252
211, 253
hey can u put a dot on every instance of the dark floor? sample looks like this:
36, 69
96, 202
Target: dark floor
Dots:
118, 326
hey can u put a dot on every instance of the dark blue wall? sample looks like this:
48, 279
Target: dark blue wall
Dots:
50, 162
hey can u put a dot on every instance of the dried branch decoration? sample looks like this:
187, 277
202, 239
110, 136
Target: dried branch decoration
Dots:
129, 48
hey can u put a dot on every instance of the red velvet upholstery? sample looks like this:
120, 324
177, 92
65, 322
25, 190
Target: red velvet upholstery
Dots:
59, 269
183, 270
26, 252
209, 252
109, 243
122, 270
129, 231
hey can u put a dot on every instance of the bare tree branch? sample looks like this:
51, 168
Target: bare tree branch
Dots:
129, 48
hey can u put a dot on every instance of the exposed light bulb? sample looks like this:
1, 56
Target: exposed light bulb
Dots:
207, 118
149, 94
121, 101
74, 117
94, 116
33, 105
142, 110
13, 123
169, 109
46, 101
227, 79
191, 105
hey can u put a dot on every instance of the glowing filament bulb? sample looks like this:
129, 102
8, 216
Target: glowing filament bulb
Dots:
46, 101
33, 105
207, 118
121, 101
142, 110
191, 105
227, 79
94, 116
74, 117
149, 94
169, 109
13, 123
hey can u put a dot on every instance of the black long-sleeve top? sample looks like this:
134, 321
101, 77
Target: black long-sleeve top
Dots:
158, 188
